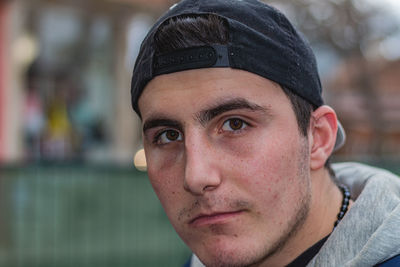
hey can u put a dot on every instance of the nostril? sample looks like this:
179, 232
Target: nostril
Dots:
208, 188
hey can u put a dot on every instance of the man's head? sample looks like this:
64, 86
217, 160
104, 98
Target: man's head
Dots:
233, 127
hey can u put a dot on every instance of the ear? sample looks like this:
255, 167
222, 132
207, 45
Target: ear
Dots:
323, 136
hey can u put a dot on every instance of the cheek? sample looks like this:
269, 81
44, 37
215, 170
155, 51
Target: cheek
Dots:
162, 168
161, 160
267, 167
163, 183
167, 184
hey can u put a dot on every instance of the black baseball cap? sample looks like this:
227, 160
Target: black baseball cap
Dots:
261, 41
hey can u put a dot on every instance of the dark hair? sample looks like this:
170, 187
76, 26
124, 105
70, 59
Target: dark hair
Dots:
188, 31
197, 30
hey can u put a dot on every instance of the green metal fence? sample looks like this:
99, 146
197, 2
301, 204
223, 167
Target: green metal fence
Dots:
83, 216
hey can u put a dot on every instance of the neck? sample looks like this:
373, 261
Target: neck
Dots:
326, 201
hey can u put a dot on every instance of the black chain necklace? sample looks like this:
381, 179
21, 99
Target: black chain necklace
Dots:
345, 204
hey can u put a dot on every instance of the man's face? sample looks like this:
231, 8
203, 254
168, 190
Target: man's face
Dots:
227, 161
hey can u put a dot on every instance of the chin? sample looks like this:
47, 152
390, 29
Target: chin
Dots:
227, 259
227, 252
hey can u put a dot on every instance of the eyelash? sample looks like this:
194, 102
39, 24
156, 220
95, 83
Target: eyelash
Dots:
243, 125
158, 136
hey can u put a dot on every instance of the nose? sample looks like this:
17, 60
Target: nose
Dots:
201, 165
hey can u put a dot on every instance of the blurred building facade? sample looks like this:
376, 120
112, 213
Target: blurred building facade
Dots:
65, 70
2, 74
65, 76
366, 96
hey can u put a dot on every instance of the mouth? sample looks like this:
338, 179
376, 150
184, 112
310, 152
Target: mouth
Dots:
214, 218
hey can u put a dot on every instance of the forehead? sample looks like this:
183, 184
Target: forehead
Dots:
194, 89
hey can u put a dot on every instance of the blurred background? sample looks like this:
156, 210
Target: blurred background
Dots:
69, 194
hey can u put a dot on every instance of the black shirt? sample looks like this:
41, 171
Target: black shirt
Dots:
307, 255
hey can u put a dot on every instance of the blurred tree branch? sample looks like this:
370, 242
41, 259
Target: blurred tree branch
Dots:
348, 28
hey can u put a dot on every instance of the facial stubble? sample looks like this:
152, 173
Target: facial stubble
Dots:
295, 222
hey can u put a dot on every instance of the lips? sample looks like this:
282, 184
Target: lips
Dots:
214, 218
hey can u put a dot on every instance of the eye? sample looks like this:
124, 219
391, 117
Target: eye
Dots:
168, 136
234, 124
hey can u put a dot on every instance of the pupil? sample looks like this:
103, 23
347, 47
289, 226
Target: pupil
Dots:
236, 124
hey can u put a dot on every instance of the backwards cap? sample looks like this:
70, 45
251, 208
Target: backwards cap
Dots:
261, 41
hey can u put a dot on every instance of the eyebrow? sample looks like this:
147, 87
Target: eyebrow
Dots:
207, 115
161, 121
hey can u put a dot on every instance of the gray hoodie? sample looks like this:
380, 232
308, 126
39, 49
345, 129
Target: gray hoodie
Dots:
370, 231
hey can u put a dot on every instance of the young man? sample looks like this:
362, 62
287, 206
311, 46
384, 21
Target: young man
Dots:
237, 142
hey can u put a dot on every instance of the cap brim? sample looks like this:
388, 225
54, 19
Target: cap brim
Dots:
340, 137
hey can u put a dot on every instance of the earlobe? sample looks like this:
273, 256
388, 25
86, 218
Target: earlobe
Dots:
323, 130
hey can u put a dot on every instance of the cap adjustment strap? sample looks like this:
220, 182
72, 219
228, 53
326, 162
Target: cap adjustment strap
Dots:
191, 58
